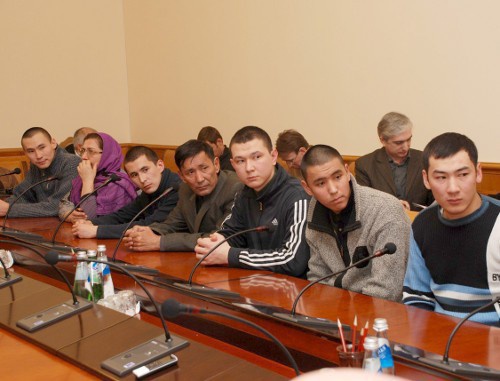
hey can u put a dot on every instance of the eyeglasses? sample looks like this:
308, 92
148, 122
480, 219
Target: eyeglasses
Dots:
89, 151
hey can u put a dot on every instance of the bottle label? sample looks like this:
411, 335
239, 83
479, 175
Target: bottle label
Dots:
384, 352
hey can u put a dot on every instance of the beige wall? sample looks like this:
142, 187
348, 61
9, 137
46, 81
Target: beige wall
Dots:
155, 71
328, 68
62, 66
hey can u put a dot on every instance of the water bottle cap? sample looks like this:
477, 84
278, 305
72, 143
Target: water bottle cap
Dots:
82, 254
371, 343
101, 247
380, 324
91, 253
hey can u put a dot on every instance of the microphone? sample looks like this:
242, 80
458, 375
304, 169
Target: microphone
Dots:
15, 171
389, 248
164, 193
51, 178
142, 354
54, 314
459, 367
171, 309
111, 179
217, 291
8, 279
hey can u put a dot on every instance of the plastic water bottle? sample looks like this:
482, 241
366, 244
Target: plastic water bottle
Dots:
81, 286
107, 281
95, 276
371, 362
384, 347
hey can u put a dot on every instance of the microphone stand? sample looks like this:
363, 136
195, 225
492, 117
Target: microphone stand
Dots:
142, 354
459, 367
54, 314
389, 248
215, 291
166, 192
171, 308
110, 179
13, 233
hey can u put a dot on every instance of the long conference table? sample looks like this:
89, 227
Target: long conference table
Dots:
414, 332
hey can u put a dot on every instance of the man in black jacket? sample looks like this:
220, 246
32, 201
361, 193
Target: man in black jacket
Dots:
149, 174
270, 197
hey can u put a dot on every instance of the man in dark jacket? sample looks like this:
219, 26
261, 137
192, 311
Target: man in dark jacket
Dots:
271, 197
205, 199
149, 174
395, 168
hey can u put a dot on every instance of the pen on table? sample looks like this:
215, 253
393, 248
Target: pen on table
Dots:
341, 331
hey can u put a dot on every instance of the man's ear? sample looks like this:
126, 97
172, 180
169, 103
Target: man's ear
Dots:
160, 164
217, 164
274, 154
426, 179
479, 173
306, 187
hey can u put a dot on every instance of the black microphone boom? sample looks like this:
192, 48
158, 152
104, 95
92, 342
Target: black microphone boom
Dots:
112, 178
464, 368
171, 308
216, 291
54, 314
143, 353
15, 171
165, 193
13, 233
389, 248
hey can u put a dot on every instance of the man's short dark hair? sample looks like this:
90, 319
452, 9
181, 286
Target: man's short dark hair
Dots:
209, 134
318, 155
447, 145
135, 152
190, 149
249, 133
30, 132
290, 141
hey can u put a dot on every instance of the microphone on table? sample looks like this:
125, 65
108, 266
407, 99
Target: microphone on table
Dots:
8, 279
167, 191
217, 291
111, 179
389, 248
15, 171
13, 233
171, 309
464, 368
142, 354
54, 314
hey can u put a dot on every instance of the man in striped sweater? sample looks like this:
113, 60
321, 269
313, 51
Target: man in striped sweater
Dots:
47, 160
454, 264
270, 197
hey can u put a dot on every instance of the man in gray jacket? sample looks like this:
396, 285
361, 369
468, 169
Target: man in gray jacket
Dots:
48, 160
347, 222
205, 199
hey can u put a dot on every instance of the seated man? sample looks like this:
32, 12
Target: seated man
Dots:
395, 168
78, 137
205, 200
149, 174
270, 197
454, 261
347, 222
291, 147
47, 160
213, 137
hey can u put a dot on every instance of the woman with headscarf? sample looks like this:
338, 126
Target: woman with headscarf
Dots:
101, 156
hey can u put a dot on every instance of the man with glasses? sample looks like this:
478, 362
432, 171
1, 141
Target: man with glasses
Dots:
395, 168
291, 147
47, 160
